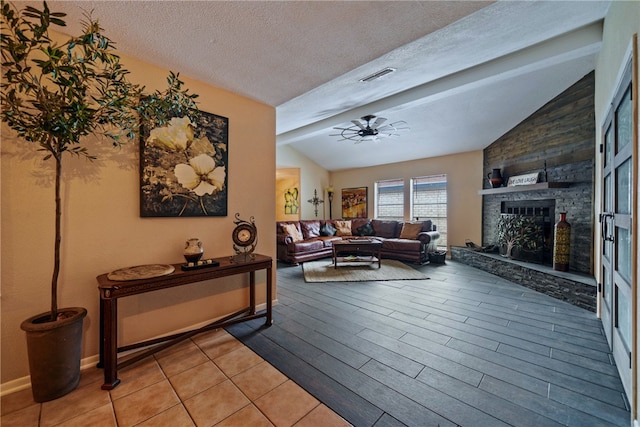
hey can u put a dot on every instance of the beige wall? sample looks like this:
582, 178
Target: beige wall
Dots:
312, 177
464, 179
621, 22
102, 229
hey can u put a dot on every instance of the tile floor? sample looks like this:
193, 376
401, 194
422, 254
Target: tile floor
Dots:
210, 380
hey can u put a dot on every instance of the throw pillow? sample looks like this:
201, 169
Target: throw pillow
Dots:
310, 228
292, 230
327, 230
366, 230
343, 228
386, 229
410, 230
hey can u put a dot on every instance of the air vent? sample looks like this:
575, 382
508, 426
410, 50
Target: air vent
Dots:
378, 74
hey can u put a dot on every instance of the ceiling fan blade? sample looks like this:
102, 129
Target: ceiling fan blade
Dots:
378, 122
386, 129
357, 123
401, 124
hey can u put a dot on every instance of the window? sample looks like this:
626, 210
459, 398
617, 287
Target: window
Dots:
390, 199
429, 201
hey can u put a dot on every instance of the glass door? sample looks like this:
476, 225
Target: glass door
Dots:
615, 222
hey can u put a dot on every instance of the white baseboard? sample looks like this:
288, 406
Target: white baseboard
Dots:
20, 384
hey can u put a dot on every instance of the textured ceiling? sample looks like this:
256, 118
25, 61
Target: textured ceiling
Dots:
466, 71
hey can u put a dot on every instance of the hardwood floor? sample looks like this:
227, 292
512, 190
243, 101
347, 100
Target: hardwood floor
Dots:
461, 348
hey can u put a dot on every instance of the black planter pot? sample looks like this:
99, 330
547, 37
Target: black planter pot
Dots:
54, 350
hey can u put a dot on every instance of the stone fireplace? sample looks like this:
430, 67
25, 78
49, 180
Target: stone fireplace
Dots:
575, 199
557, 142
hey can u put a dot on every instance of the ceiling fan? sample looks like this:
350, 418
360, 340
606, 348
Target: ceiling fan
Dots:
364, 130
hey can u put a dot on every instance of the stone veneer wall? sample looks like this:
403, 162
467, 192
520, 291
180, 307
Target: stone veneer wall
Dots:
579, 290
562, 133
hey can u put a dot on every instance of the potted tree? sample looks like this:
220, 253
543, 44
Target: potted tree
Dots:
54, 94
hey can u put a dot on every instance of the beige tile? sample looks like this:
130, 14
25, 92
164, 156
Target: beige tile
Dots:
197, 379
216, 343
144, 404
257, 381
181, 360
237, 361
175, 416
78, 402
215, 404
16, 401
91, 376
286, 404
322, 416
99, 417
25, 417
137, 376
247, 416
181, 346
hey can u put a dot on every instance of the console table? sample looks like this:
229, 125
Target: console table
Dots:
111, 290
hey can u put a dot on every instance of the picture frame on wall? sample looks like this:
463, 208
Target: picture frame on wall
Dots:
287, 194
354, 202
184, 168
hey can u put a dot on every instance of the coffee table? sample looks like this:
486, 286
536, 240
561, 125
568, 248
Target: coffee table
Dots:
356, 250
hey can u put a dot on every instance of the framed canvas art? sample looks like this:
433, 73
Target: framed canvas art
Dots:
354, 202
287, 194
184, 168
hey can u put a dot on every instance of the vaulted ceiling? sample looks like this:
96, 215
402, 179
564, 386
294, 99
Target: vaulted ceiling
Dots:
466, 72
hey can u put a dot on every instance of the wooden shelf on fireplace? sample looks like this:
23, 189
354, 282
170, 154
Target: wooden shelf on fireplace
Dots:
520, 188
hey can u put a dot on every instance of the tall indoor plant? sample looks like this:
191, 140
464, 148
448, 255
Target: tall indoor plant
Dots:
54, 94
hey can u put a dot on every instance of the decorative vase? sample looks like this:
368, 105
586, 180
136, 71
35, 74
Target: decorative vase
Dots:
193, 250
54, 350
562, 244
495, 178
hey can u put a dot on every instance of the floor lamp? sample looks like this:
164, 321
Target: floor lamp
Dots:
330, 193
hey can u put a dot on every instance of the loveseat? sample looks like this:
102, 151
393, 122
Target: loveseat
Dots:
305, 240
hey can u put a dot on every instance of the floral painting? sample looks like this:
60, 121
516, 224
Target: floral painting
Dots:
183, 168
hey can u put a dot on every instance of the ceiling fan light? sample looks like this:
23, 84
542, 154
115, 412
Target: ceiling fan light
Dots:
372, 130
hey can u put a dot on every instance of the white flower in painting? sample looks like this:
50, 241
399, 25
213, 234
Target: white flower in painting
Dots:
201, 175
178, 135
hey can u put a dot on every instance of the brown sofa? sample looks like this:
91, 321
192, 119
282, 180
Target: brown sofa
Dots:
305, 240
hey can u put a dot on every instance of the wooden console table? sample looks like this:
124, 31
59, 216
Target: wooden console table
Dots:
111, 290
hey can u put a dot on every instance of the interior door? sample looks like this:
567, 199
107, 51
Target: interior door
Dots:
615, 221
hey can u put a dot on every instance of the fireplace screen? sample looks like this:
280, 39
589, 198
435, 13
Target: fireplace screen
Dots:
522, 237
540, 229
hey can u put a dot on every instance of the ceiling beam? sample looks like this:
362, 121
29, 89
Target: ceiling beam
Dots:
582, 42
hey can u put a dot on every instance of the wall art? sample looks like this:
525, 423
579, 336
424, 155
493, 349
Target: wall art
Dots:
184, 168
354, 202
287, 194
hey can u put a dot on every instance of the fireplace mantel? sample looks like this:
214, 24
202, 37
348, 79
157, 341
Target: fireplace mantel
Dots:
520, 188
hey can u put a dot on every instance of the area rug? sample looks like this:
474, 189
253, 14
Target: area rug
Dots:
323, 271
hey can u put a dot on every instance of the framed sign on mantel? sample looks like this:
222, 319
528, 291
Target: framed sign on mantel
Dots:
184, 168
